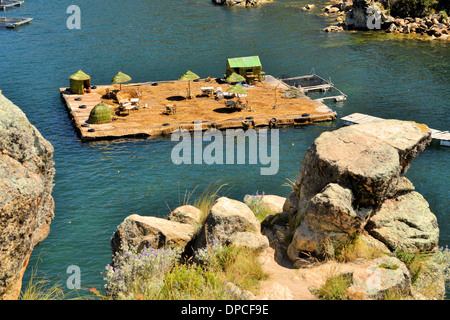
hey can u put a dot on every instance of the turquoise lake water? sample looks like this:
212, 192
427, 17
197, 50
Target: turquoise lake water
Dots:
98, 184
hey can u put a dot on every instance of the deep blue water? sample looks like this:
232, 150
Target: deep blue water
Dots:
98, 184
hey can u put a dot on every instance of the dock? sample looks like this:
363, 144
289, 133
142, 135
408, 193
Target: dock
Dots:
5, 4
356, 118
13, 22
149, 119
314, 82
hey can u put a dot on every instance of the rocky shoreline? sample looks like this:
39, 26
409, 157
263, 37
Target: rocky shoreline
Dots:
370, 15
240, 3
350, 189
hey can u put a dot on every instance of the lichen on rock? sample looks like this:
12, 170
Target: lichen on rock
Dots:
26, 203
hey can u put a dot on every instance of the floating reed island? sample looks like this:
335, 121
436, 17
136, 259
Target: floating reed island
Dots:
143, 110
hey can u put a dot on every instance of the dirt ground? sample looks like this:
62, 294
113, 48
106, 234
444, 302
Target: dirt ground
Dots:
263, 100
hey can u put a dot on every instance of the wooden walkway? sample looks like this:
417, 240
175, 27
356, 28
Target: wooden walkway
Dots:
357, 118
4, 4
13, 22
313, 82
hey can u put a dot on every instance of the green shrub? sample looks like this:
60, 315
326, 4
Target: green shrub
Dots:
194, 283
136, 273
159, 274
257, 205
413, 8
335, 287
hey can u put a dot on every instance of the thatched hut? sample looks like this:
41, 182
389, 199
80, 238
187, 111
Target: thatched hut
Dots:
79, 81
101, 113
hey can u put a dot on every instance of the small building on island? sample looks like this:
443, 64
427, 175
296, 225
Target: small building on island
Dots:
248, 67
101, 113
79, 81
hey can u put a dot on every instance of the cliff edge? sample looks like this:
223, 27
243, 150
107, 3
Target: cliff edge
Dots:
26, 204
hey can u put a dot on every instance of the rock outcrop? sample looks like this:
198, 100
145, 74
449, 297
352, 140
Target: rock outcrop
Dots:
26, 204
351, 196
229, 222
242, 3
350, 180
350, 191
379, 15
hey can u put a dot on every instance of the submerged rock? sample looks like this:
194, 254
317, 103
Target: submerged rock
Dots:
26, 203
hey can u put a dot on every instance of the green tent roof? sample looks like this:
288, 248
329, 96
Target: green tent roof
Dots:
237, 88
244, 62
121, 77
189, 75
234, 77
101, 113
80, 75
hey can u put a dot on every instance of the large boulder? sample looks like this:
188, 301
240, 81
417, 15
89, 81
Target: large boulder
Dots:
273, 202
377, 278
405, 222
26, 204
328, 218
231, 222
353, 175
151, 232
187, 214
367, 158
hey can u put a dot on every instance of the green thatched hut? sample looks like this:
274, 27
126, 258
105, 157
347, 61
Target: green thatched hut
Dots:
101, 113
79, 81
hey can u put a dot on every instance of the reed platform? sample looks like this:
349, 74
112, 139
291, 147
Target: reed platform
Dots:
356, 118
266, 108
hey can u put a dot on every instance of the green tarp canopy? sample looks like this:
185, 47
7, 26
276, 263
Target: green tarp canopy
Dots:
234, 77
244, 62
79, 81
238, 89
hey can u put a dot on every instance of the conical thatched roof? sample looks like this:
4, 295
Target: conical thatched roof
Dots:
189, 75
238, 89
121, 77
234, 77
101, 113
80, 75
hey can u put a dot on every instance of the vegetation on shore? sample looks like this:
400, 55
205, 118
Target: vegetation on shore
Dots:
418, 8
215, 272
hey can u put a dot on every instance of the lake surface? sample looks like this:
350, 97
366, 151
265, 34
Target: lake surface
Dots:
98, 184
